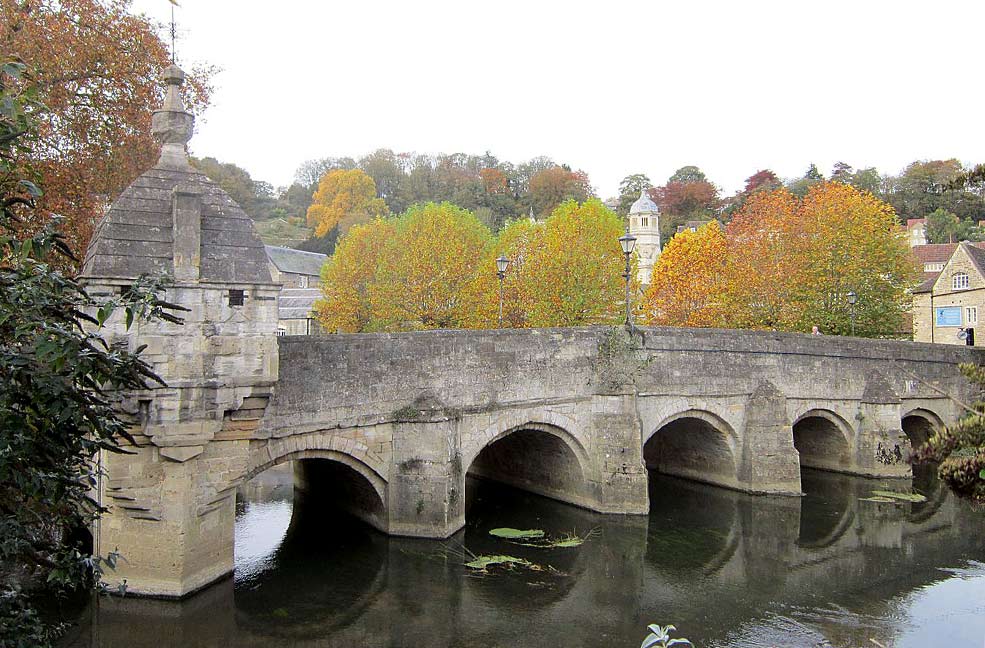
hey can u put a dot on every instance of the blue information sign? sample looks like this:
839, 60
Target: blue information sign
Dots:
948, 316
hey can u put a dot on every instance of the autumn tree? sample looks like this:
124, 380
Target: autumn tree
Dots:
760, 277
853, 244
344, 198
762, 180
551, 187
425, 267
573, 268
347, 275
515, 242
97, 69
686, 288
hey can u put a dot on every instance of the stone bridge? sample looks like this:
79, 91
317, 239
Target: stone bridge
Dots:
389, 425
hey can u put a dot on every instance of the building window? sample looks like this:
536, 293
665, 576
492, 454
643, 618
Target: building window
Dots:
933, 267
281, 331
643, 221
237, 297
303, 281
971, 315
959, 281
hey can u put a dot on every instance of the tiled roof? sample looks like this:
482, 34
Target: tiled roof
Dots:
934, 253
296, 303
296, 261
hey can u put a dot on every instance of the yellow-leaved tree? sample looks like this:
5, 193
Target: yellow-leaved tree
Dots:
344, 198
687, 284
346, 276
850, 242
572, 268
425, 268
482, 295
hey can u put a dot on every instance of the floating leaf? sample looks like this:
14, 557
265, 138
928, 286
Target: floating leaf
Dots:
906, 497
884, 500
511, 534
482, 562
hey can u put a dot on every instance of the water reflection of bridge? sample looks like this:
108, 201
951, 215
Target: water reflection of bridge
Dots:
707, 559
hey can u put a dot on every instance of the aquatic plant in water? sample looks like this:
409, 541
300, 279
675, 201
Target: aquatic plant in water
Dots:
536, 538
894, 498
660, 637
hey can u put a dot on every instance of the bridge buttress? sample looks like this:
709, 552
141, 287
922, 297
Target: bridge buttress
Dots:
882, 447
768, 461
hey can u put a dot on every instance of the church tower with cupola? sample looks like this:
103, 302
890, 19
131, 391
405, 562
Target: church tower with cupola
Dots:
644, 224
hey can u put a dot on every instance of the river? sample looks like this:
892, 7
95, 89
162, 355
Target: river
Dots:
729, 570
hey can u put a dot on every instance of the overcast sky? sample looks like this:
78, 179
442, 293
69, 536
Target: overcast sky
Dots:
609, 87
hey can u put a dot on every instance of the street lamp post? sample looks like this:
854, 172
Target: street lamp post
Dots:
852, 298
628, 243
501, 264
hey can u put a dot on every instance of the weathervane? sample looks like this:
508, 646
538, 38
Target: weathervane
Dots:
173, 30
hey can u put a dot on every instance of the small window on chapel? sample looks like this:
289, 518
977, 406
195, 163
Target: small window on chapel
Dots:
237, 297
959, 281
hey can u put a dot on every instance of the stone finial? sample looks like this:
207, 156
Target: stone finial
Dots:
172, 125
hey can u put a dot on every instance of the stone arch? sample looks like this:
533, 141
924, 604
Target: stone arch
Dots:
536, 455
370, 473
823, 439
918, 424
694, 444
348, 480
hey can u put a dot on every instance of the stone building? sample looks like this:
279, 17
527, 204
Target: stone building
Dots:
295, 268
299, 272
644, 224
949, 302
916, 231
218, 364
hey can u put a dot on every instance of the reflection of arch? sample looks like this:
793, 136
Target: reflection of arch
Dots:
694, 444
327, 572
827, 509
919, 424
823, 439
534, 456
692, 527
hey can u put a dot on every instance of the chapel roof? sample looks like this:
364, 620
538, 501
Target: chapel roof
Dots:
136, 234
643, 205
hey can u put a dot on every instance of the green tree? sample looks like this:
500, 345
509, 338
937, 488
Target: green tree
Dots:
630, 189
59, 386
944, 227
688, 175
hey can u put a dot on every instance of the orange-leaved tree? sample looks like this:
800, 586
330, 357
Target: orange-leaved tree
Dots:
97, 70
426, 267
344, 197
760, 280
572, 269
347, 275
687, 287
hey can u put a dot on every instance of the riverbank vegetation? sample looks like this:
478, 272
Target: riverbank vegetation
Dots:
959, 450
59, 382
